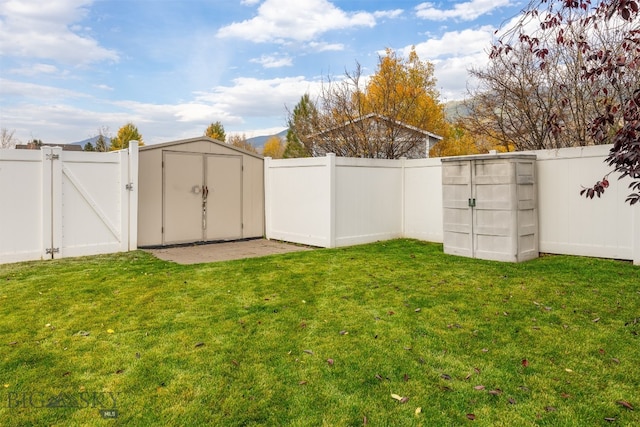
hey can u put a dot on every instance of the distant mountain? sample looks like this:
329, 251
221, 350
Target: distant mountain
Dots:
455, 109
259, 141
92, 140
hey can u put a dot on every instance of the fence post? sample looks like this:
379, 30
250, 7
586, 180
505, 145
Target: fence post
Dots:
636, 233
331, 171
404, 194
46, 207
133, 196
57, 238
267, 197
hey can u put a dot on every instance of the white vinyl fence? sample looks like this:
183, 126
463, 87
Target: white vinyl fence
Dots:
332, 201
56, 203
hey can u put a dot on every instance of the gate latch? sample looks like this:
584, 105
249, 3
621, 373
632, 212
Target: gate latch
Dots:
472, 203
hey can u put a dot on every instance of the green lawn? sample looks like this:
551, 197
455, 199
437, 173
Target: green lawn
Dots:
322, 337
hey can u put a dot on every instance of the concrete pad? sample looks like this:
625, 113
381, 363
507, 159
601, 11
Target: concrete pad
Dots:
213, 252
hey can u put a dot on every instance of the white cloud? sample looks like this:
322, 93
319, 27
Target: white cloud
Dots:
269, 61
388, 13
453, 55
36, 91
467, 11
454, 44
239, 100
245, 100
42, 29
326, 47
35, 69
299, 20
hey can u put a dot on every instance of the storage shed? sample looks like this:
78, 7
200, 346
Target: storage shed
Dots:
199, 190
490, 208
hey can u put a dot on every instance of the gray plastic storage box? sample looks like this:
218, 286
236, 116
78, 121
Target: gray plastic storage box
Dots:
490, 206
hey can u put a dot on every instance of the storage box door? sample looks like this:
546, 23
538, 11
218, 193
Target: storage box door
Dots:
223, 217
494, 216
457, 208
183, 198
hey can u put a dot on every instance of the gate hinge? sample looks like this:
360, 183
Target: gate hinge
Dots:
129, 186
50, 251
52, 156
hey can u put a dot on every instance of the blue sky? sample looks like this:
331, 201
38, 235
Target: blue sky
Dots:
69, 67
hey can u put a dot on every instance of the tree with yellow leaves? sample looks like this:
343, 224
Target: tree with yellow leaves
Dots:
273, 148
216, 131
126, 134
384, 118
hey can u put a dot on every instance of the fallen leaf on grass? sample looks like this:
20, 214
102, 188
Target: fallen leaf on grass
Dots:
550, 409
344, 333
417, 310
625, 404
379, 377
610, 419
399, 398
307, 351
445, 377
235, 362
565, 395
302, 382
479, 387
596, 320
13, 343
83, 333
525, 362
511, 400
66, 374
110, 331
615, 360
119, 371
471, 417
495, 392
330, 362
199, 344
418, 410
406, 378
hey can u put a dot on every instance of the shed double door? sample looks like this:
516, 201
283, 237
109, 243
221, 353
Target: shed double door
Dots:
202, 198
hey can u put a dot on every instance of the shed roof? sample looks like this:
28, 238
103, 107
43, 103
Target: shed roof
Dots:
200, 139
380, 117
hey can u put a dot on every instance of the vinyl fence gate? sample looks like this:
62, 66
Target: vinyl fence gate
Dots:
56, 203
